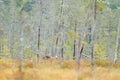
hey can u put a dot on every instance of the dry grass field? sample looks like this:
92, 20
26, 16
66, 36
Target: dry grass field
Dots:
55, 70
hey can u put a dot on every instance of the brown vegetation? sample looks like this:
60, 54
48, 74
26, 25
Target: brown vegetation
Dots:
56, 71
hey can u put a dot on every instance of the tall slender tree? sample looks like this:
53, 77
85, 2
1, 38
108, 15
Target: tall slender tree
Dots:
93, 35
21, 37
117, 43
74, 53
60, 25
12, 27
39, 28
80, 53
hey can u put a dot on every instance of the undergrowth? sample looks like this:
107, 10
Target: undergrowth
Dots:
57, 70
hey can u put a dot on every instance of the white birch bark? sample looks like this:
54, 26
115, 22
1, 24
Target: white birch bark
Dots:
117, 43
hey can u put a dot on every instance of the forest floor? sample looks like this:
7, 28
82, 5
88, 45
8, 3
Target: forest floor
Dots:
55, 70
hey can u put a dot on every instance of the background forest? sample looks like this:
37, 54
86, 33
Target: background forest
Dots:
66, 29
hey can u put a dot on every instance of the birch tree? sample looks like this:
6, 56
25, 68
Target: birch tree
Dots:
60, 26
39, 28
21, 37
93, 35
74, 53
117, 43
80, 53
12, 26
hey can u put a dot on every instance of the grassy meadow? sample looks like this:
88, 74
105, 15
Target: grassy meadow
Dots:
56, 70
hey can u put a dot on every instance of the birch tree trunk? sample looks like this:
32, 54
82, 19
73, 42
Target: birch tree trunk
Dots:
39, 28
21, 38
12, 26
60, 24
74, 53
53, 28
62, 31
93, 35
80, 54
117, 44
31, 37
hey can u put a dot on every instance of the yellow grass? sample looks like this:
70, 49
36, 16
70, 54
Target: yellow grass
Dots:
55, 70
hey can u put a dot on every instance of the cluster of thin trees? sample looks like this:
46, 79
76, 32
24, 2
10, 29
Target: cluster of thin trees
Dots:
63, 28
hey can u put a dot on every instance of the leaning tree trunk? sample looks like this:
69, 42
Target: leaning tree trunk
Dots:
80, 54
